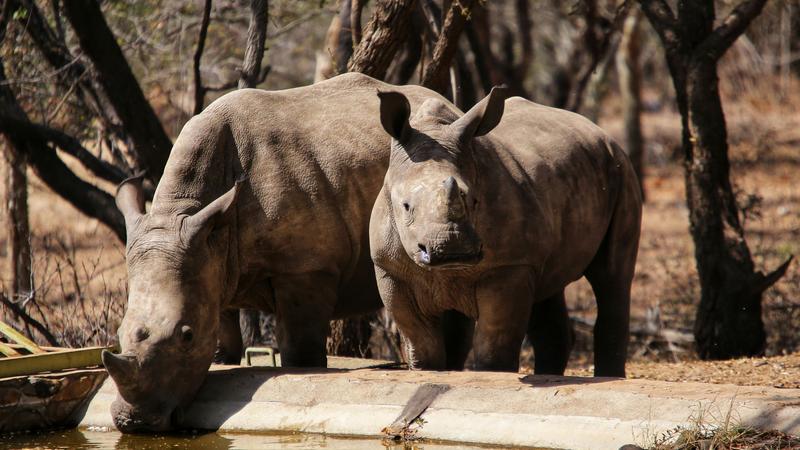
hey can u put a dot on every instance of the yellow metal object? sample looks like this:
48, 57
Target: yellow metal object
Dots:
269, 352
17, 337
51, 361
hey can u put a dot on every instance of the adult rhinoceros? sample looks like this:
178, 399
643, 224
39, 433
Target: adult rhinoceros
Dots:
290, 237
488, 216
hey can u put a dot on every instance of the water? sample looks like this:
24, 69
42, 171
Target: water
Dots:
85, 439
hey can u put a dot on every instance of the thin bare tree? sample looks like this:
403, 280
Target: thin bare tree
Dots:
629, 72
384, 35
728, 321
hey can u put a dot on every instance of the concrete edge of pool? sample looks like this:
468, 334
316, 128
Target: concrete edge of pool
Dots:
482, 408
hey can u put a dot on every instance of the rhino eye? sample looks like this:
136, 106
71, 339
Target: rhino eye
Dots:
141, 334
186, 333
406, 206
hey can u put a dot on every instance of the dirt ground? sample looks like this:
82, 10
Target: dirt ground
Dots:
79, 267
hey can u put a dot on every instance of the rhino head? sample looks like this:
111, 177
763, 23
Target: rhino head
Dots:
175, 288
432, 177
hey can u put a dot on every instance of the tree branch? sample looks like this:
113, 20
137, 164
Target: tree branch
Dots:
22, 314
31, 131
256, 37
663, 20
716, 44
199, 90
356, 6
446, 45
384, 35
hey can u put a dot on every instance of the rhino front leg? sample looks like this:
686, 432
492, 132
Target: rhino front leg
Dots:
304, 306
229, 345
504, 300
422, 336
551, 334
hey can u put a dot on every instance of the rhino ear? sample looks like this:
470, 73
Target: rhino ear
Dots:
216, 214
484, 116
395, 111
130, 199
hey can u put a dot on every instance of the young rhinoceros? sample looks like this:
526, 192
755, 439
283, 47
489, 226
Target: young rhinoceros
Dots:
488, 220
291, 238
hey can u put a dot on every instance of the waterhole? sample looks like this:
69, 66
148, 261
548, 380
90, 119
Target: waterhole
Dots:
87, 439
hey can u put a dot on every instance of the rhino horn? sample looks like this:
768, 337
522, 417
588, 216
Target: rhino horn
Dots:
484, 116
455, 207
122, 369
130, 199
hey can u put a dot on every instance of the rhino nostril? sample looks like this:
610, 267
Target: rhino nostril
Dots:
422, 248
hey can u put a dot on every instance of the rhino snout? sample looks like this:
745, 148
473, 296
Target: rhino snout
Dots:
451, 251
129, 419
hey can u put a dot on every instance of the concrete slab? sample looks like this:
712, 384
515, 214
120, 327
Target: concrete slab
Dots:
486, 408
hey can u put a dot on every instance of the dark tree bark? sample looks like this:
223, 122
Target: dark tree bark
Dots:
478, 37
124, 93
69, 144
728, 322
252, 74
435, 76
339, 41
630, 77
596, 42
384, 35
15, 212
355, 20
15, 203
350, 337
411, 56
199, 89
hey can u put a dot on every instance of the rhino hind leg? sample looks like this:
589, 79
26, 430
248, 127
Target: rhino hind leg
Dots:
610, 274
458, 331
229, 345
551, 335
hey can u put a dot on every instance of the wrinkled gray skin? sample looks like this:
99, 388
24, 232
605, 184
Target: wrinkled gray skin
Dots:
485, 217
290, 238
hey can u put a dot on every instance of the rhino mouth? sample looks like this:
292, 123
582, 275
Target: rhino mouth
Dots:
448, 260
134, 420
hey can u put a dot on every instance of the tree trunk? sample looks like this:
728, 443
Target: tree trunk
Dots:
350, 337
384, 35
16, 217
435, 76
630, 78
728, 322
120, 85
252, 74
199, 89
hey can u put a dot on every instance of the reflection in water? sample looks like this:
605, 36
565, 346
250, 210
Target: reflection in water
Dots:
85, 439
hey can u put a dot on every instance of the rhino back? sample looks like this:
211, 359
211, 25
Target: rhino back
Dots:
559, 180
314, 158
